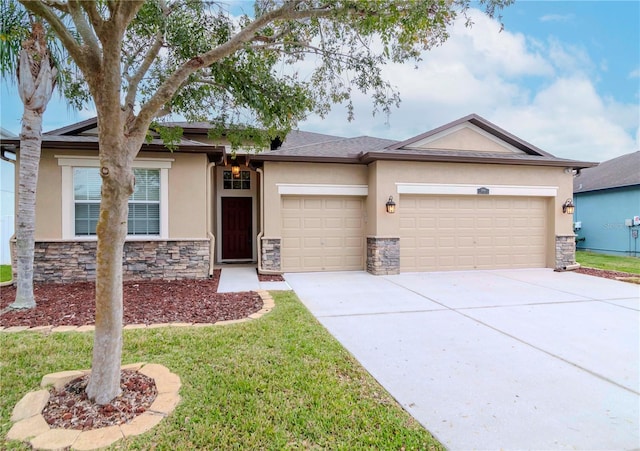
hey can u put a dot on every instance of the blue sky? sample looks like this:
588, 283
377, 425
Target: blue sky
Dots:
562, 75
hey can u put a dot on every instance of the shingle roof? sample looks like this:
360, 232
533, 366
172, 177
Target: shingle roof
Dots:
4, 133
299, 143
618, 172
91, 142
318, 147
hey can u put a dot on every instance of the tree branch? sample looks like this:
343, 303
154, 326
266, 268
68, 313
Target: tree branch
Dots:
83, 27
94, 16
148, 60
171, 84
125, 11
60, 5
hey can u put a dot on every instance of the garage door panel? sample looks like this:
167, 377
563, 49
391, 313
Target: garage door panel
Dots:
331, 232
467, 232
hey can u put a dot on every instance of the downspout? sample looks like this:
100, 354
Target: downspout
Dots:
212, 238
261, 234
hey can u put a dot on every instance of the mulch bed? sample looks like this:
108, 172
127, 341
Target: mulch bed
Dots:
270, 277
145, 302
70, 408
617, 275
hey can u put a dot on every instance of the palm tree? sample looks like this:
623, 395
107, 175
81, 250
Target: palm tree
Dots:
24, 54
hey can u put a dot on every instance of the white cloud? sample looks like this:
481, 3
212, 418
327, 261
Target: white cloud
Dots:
635, 73
556, 18
570, 119
543, 92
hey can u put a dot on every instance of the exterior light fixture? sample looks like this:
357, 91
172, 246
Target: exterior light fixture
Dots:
235, 169
391, 205
568, 207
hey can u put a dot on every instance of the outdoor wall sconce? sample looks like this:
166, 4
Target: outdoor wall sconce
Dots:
391, 205
235, 169
568, 207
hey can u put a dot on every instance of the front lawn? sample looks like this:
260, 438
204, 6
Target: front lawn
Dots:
608, 262
281, 382
5, 273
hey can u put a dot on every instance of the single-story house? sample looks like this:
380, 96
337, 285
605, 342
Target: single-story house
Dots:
607, 206
467, 195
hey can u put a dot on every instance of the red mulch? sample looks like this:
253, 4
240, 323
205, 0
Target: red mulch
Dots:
145, 302
70, 408
617, 275
270, 277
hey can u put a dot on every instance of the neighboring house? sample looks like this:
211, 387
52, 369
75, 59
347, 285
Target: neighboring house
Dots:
607, 199
467, 195
7, 200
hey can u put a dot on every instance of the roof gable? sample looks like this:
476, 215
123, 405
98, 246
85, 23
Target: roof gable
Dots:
75, 129
461, 137
471, 133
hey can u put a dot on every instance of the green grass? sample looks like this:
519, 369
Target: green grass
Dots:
281, 382
609, 262
5, 273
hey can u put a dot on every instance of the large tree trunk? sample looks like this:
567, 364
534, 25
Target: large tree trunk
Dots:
36, 79
117, 185
30, 141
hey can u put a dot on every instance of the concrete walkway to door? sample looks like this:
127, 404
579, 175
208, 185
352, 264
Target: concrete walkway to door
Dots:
508, 359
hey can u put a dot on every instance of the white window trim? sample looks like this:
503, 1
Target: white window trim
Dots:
67, 163
322, 190
472, 190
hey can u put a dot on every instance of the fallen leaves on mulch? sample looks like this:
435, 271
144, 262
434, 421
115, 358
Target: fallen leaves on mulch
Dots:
270, 277
616, 275
145, 302
70, 408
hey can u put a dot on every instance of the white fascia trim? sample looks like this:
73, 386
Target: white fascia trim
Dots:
322, 190
472, 190
94, 162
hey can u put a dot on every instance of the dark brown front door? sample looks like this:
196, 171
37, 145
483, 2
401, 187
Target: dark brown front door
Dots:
236, 228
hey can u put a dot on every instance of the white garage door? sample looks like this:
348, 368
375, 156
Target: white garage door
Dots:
440, 233
322, 233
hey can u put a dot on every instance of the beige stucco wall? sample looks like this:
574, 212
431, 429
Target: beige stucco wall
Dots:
465, 139
303, 173
187, 194
386, 174
49, 197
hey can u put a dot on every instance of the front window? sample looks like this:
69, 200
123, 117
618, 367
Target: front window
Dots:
144, 203
240, 181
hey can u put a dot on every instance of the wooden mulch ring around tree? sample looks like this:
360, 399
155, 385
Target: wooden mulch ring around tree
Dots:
70, 408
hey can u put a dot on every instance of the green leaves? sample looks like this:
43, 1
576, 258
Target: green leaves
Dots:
196, 59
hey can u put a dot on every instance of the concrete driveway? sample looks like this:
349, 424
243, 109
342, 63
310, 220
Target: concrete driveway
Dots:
508, 359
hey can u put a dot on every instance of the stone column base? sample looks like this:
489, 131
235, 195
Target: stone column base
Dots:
271, 254
383, 256
565, 251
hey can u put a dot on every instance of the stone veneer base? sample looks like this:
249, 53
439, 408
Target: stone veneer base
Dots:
75, 261
565, 251
383, 256
271, 254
